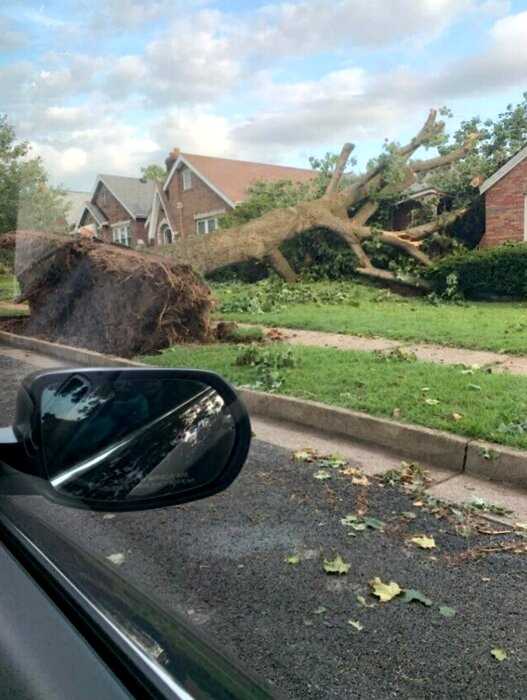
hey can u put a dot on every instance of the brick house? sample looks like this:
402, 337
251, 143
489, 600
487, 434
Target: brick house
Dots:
506, 202
118, 209
199, 189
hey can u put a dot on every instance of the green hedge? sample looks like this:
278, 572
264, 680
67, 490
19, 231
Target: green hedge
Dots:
487, 272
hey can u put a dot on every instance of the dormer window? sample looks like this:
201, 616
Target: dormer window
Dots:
187, 179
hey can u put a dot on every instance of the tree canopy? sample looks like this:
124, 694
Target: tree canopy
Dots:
27, 200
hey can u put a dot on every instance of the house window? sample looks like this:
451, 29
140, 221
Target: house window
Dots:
187, 179
121, 234
206, 225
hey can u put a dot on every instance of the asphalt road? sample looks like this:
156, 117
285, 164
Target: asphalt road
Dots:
222, 563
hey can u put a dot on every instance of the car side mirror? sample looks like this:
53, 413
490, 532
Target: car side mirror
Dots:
124, 439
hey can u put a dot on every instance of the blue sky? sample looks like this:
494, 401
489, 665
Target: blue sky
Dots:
112, 85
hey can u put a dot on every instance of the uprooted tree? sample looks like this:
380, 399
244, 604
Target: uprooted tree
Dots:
345, 209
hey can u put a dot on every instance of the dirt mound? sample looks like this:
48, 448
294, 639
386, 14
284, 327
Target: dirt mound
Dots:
108, 298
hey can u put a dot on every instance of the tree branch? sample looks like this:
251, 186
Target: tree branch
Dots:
425, 166
281, 266
339, 168
417, 233
409, 247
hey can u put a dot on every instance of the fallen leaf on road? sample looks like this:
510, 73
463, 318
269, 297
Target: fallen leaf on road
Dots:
320, 610
362, 601
293, 559
336, 566
116, 559
424, 542
446, 611
411, 595
108, 516
520, 526
322, 474
307, 455
384, 591
418, 504
499, 654
486, 579
360, 480
356, 624
352, 471
333, 461
374, 523
409, 515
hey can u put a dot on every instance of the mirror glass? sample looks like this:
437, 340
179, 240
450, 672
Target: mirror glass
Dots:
115, 437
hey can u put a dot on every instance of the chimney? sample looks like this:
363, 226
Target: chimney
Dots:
172, 157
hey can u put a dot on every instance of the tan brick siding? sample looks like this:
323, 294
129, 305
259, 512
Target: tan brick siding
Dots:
504, 208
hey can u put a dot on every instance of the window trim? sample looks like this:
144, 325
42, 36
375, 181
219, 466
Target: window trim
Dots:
186, 179
205, 220
117, 233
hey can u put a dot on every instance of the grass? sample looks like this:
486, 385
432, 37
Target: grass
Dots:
8, 291
367, 311
491, 406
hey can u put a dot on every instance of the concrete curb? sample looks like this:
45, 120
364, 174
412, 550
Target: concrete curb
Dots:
432, 447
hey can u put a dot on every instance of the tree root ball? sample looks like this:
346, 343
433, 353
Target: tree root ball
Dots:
108, 298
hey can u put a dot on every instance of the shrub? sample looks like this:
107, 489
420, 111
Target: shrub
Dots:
500, 271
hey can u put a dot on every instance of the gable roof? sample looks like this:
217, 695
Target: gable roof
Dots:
76, 201
153, 216
96, 213
133, 193
230, 179
515, 160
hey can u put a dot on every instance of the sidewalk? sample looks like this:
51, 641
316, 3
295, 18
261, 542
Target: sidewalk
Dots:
440, 354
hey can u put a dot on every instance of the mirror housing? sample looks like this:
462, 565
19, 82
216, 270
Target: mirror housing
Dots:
120, 439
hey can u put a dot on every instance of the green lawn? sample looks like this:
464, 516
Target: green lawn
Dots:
8, 287
368, 311
491, 406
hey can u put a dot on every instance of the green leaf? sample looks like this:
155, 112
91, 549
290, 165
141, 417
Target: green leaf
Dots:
385, 591
332, 461
293, 559
474, 387
336, 566
432, 402
411, 595
322, 474
446, 611
349, 520
356, 624
374, 523
499, 654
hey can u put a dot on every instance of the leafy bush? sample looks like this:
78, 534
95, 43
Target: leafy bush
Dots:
500, 271
320, 254
272, 295
269, 363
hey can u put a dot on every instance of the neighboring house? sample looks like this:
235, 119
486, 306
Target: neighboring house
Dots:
118, 208
407, 210
75, 202
199, 189
506, 202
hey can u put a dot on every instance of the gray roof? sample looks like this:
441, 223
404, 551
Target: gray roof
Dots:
135, 194
76, 201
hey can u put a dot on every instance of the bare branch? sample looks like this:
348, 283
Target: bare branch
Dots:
365, 232
417, 233
366, 211
339, 168
281, 266
387, 276
425, 166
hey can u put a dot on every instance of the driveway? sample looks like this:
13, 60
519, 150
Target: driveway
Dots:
223, 563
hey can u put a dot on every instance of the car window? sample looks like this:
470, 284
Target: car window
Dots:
325, 203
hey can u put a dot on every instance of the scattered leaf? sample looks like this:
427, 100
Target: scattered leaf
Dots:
336, 566
360, 480
108, 516
409, 515
486, 579
293, 559
374, 523
349, 519
432, 402
352, 471
322, 474
117, 558
499, 654
320, 610
384, 591
446, 611
457, 416
424, 389
520, 526
332, 461
362, 601
396, 413
474, 387
411, 595
356, 624
307, 455
424, 542
418, 504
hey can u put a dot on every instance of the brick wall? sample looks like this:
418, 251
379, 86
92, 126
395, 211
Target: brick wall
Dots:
504, 208
114, 212
199, 199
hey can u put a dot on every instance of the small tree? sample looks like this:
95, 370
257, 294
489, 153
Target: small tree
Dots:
27, 200
153, 172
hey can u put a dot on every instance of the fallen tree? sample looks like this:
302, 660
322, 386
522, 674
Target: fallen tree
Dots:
106, 297
345, 210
